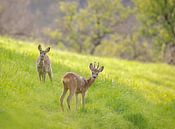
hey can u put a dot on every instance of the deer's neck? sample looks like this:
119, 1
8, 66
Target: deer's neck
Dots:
89, 82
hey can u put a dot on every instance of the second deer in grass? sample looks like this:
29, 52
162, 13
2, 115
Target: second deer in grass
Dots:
43, 64
77, 84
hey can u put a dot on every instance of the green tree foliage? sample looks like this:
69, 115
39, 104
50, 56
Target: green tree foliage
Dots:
129, 47
84, 28
158, 19
93, 28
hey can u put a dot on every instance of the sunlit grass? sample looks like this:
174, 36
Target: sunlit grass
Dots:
126, 95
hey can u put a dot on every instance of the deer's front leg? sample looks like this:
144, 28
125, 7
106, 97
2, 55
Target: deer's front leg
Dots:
83, 100
44, 76
50, 75
39, 75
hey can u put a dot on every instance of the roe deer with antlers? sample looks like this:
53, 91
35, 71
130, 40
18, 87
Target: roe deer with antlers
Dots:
43, 64
77, 84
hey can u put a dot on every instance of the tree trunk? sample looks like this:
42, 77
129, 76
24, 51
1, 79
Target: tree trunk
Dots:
169, 53
96, 43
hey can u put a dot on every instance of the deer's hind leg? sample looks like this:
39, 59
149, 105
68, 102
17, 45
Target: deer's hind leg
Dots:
62, 97
71, 94
83, 99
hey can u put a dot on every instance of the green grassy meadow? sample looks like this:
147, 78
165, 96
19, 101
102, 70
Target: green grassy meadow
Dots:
126, 95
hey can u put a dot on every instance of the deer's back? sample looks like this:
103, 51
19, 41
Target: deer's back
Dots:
73, 80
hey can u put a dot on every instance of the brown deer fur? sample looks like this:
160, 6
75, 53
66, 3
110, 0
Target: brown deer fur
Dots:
78, 85
43, 64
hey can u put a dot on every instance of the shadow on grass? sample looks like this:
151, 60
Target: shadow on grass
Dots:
157, 82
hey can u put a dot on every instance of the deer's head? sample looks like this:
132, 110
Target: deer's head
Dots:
95, 69
43, 52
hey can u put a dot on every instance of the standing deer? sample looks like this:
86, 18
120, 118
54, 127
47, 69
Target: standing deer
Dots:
43, 64
77, 84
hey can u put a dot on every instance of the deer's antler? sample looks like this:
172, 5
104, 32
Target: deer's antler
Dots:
94, 65
98, 65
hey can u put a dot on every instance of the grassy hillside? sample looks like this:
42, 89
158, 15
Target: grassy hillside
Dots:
126, 95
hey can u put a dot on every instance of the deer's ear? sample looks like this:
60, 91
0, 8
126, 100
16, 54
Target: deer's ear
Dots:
101, 69
47, 49
91, 66
39, 47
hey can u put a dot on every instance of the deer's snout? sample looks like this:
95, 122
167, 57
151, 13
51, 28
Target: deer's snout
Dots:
94, 76
42, 56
